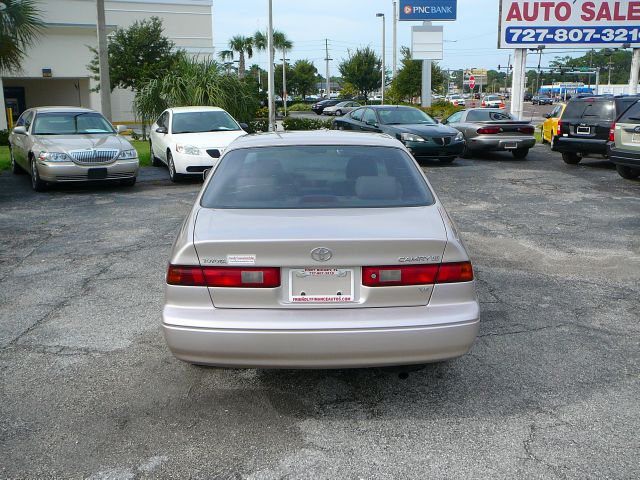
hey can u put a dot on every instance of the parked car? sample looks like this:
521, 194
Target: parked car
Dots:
190, 140
542, 100
492, 101
624, 145
487, 129
318, 250
341, 108
319, 107
70, 144
550, 125
528, 96
424, 137
584, 127
457, 100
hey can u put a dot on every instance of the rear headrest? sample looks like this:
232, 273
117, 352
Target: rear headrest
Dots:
377, 188
361, 167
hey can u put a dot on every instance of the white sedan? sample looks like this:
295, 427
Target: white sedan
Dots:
190, 140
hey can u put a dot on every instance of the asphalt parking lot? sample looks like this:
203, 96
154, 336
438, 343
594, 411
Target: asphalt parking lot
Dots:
550, 389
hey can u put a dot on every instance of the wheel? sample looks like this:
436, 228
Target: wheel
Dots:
155, 161
128, 182
173, 176
571, 158
628, 172
446, 160
15, 168
467, 152
338, 113
36, 183
520, 153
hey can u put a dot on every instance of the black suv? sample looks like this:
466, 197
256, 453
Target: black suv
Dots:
585, 124
321, 105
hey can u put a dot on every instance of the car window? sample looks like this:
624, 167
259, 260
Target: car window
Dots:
488, 116
28, 119
455, 118
632, 115
622, 104
20, 122
309, 177
207, 121
71, 123
357, 114
370, 117
594, 110
555, 113
163, 119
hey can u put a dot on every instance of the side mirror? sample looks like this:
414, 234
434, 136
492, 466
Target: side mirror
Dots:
205, 174
244, 126
20, 130
162, 130
547, 115
121, 129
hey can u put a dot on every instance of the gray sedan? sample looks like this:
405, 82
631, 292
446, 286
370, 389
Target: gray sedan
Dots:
318, 249
490, 129
341, 108
68, 144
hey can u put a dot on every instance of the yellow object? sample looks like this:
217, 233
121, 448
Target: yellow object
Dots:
10, 118
550, 125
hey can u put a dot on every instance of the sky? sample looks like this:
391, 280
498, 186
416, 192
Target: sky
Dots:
470, 42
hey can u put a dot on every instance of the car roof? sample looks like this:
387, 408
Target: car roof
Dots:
195, 109
314, 137
62, 109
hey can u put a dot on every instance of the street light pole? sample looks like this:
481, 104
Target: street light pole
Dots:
103, 60
284, 80
383, 55
395, 39
271, 81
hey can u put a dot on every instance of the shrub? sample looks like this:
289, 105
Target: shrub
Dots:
258, 125
262, 112
300, 107
4, 137
441, 109
293, 123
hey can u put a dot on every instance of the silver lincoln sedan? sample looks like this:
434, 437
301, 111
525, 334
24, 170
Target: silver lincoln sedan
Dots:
70, 144
318, 249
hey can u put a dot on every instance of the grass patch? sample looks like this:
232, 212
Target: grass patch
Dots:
5, 163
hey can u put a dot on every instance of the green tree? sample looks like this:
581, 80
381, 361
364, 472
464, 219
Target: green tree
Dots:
348, 91
303, 78
408, 82
619, 61
363, 70
196, 82
137, 54
20, 26
277, 74
243, 46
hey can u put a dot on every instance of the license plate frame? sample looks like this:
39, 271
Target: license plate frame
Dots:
97, 173
510, 145
583, 130
330, 285
635, 138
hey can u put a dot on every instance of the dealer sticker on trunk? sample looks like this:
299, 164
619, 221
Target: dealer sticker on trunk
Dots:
241, 259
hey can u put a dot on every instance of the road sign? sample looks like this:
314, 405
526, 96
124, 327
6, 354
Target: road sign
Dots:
427, 10
472, 82
597, 23
426, 43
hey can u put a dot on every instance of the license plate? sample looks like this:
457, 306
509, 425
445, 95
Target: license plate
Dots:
635, 138
510, 145
97, 173
583, 131
321, 285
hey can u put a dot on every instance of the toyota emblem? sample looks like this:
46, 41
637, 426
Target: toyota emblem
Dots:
321, 254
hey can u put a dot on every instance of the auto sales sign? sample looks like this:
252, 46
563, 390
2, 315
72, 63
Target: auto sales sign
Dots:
569, 23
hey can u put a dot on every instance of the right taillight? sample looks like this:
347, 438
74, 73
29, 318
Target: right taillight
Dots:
230, 277
612, 133
406, 275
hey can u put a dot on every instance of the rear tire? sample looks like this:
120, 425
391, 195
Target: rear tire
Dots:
520, 153
15, 168
36, 183
628, 172
571, 158
155, 161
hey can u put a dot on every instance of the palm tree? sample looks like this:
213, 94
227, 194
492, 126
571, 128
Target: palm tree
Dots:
281, 43
242, 46
20, 26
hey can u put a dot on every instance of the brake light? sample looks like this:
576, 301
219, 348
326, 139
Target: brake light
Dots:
612, 133
528, 129
405, 275
484, 104
234, 277
559, 127
489, 130
502, 105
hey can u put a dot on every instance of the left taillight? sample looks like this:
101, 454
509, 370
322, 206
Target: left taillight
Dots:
406, 275
230, 277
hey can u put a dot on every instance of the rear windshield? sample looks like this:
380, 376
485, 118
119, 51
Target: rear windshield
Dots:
307, 177
487, 116
596, 110
632, 115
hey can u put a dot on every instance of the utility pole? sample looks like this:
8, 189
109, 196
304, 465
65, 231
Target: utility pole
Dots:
506, 78
381, 15
395, 39
635, 72
284, 80
103, 59
271, 81
326, 59
518, 82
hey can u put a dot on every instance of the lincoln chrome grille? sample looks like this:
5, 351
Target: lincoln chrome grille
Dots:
94, 155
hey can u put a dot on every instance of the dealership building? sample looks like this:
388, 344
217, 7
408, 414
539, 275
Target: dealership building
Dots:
55, 71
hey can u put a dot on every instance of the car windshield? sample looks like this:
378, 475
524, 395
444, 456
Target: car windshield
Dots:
343, 104
70, 123
487, 116
395, 116
313, 177
207, 121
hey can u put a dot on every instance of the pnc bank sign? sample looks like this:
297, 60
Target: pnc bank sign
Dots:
426, 10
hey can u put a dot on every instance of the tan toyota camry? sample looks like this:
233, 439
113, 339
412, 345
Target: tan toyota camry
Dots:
318, 250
